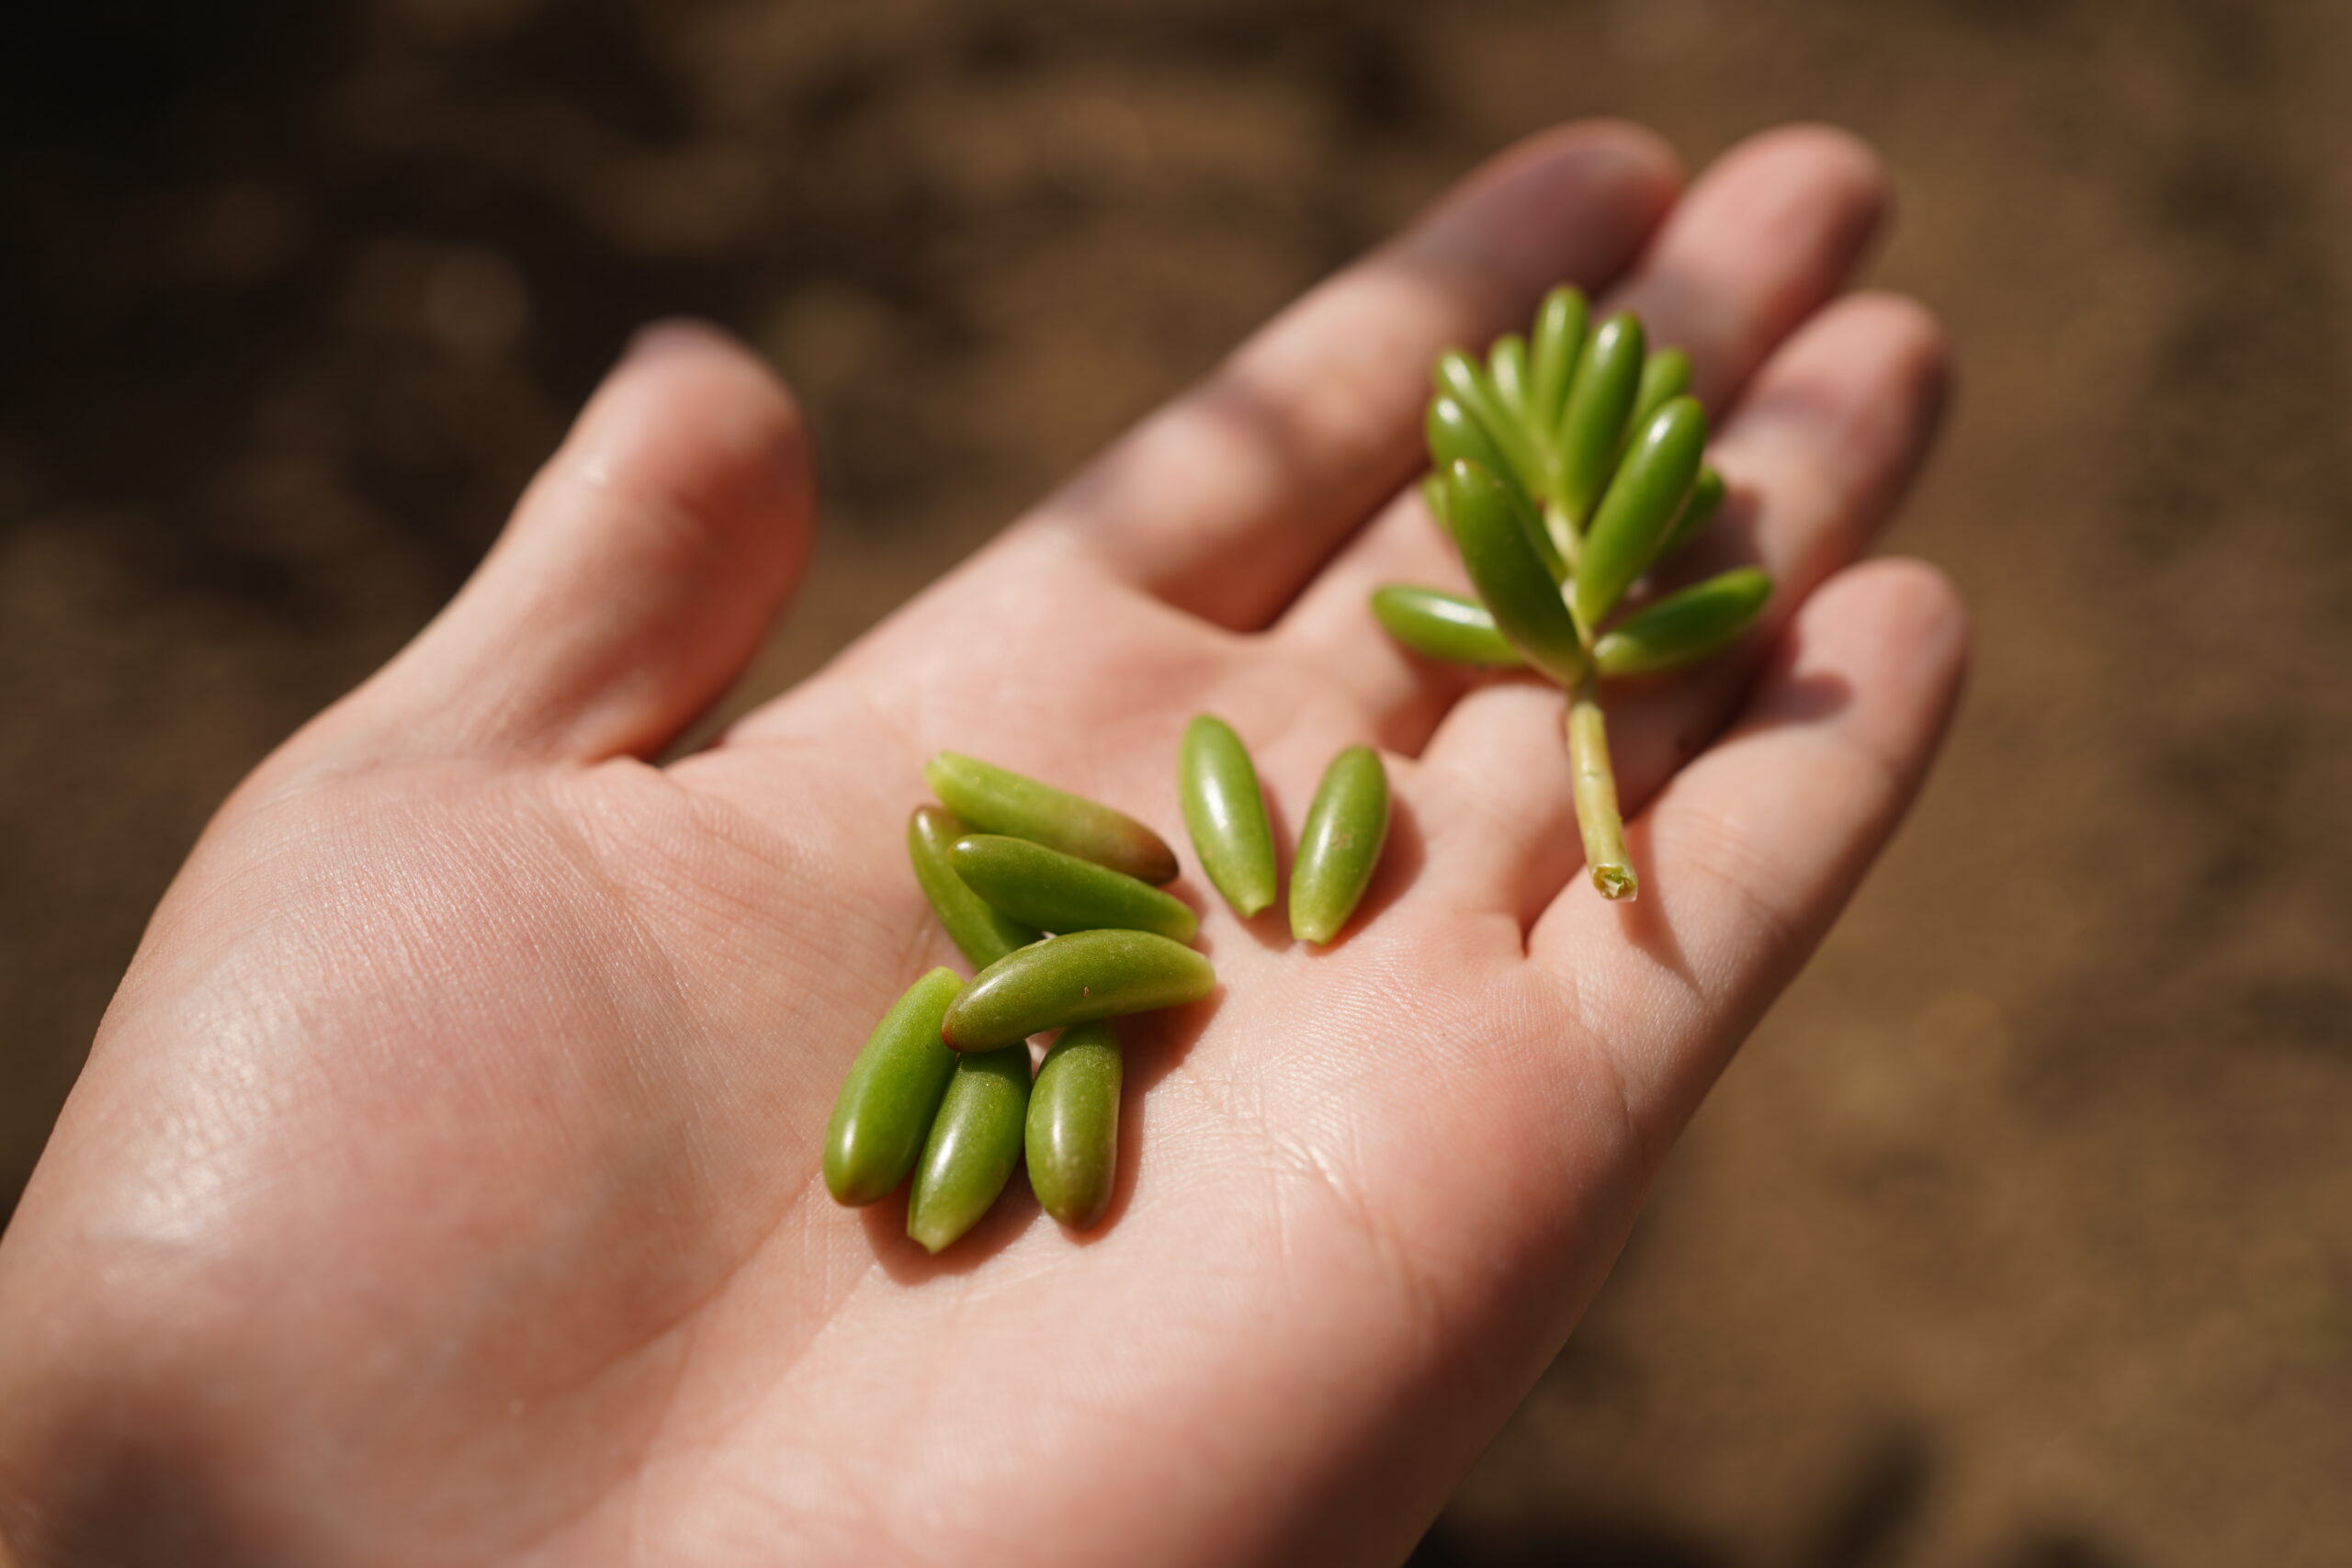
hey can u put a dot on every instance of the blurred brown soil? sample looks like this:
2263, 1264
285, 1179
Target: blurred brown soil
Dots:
2021, 1236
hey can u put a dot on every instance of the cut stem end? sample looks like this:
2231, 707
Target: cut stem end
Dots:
1596, 798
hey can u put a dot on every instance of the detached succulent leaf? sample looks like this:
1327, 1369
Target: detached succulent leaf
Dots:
998, 800
1073, 1139
1338, 848
891, 1094
1225, 812
1074, 979
974, 1145
980, 930
1055, 892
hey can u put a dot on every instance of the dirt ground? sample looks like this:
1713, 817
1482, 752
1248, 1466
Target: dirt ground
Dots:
2021, 1236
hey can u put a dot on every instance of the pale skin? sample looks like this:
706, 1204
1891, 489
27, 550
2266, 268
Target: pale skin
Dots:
443, 1187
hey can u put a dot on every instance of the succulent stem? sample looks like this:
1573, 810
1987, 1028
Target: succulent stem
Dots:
1596, 798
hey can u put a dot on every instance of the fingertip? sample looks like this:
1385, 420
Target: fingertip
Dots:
1836, 426
1816, 151
1912, 338
1637, 158
1571, 203
1891, 343
1895, 631
1755, 846
1228, 504
690, 419
640, 573
1917, 603
1766, 234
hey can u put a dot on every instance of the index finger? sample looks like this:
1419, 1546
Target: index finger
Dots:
1226, 503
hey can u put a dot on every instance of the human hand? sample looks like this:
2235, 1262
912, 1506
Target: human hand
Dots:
443, 1187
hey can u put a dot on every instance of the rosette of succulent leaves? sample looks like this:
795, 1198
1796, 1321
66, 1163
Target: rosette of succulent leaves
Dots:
1565, 468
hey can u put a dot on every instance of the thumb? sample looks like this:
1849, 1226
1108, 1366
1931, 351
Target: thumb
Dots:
638, 575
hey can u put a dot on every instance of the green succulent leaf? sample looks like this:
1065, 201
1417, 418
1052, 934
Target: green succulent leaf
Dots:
1511, 576
1665, 376
1551, 356
1444, 625
1592, 423
1644, 501
1461, 379
1683, 629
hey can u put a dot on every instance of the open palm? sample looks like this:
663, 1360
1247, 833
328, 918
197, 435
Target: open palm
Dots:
444, 1184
